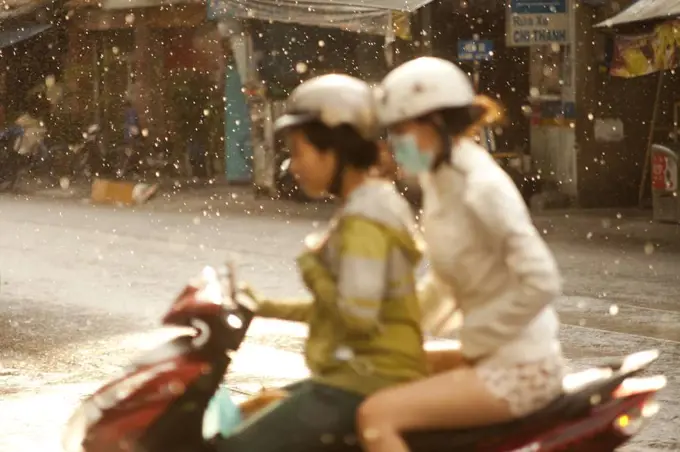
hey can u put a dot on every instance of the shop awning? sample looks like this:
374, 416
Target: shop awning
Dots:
110, 5
644, 11
369, 16
15, 35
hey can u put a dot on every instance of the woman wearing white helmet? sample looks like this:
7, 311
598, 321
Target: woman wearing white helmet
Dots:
484, 250
363, 316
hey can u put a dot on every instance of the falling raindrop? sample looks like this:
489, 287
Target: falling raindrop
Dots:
649, 248
613, 309
301, 67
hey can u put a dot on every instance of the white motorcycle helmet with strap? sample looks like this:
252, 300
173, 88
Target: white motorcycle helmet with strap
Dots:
334, 101
418, 90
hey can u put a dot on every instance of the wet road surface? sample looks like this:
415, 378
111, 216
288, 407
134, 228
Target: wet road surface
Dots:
82, 287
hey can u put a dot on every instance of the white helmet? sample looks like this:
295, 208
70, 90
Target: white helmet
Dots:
422, 86
333, 100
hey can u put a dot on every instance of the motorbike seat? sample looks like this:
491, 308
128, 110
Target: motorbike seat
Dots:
571, 404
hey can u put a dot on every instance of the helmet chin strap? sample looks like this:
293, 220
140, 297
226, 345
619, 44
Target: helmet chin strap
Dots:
335, 186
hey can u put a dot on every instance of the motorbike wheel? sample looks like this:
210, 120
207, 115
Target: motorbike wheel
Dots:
6, 185
79, 166
286, 187
123, 168
10, 183
13, 166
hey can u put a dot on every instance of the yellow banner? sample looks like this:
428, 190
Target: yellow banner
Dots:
401, 24
636, 55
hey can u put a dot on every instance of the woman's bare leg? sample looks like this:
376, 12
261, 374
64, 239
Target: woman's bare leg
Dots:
454, 399
439, 361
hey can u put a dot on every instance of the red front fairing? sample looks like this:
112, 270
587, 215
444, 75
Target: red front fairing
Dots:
159, 404
117, 424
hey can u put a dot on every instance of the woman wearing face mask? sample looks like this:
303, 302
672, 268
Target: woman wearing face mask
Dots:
364, 322
484, 252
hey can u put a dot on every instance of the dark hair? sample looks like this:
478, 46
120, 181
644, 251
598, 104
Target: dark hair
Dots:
459, 120
468, 120
355, 150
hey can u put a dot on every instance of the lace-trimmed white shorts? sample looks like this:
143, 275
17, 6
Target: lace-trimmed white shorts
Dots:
526, 387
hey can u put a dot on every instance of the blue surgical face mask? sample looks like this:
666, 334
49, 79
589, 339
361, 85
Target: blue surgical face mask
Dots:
408, 156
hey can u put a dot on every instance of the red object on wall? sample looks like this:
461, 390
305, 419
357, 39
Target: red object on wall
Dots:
659, 165
193, 48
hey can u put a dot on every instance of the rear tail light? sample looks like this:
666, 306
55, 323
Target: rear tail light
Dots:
632, 422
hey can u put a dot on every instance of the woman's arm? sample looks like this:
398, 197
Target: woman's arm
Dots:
291, 310
356, 297
503, 215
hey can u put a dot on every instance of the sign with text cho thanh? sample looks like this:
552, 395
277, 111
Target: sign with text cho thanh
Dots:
537, 22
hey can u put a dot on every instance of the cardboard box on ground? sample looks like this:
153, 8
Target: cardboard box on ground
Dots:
106, 191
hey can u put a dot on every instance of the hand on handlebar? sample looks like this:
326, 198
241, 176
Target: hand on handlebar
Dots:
247, 297
315, 242
245, 289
